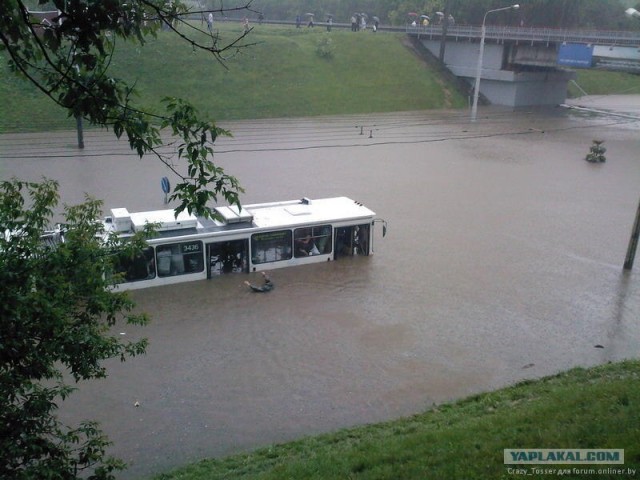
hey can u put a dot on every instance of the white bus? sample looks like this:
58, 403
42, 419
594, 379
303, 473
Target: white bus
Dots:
252, 239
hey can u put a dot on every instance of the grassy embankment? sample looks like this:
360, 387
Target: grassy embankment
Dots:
600, 82
281, 75
582, 408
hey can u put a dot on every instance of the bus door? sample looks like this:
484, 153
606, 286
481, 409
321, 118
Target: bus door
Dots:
352, 240
230, 256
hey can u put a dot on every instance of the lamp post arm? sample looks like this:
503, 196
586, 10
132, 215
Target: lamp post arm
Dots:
632, 12
511, 7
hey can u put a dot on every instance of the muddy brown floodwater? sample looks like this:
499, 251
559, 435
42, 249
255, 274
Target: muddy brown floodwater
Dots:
502, 262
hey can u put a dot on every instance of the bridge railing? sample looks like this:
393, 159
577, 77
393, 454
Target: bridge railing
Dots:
529, 34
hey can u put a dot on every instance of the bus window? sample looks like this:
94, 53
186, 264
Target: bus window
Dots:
179, 258
312, 240
271, 246
140, 267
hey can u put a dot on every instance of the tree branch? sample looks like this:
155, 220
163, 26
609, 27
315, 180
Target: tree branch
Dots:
72, 64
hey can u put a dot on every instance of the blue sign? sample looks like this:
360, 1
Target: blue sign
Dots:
576, 55
166, 186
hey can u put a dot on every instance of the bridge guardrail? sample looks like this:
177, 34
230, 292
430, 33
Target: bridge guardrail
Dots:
530, 34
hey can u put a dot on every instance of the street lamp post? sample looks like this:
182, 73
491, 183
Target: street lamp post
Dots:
476, 90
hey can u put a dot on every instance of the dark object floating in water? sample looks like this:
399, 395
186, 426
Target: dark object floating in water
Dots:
596, 152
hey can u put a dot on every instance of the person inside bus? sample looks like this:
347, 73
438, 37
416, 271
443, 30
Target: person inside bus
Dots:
305, 246
360, 240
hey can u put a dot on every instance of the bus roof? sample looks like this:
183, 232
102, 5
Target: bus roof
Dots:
284, 214
323, 210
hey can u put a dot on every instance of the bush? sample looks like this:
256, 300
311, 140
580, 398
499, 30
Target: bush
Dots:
324, 47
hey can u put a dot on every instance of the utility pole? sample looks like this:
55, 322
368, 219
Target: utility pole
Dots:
80, 132
633, 242
635, 233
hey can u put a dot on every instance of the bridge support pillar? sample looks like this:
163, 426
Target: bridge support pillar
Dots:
504, 83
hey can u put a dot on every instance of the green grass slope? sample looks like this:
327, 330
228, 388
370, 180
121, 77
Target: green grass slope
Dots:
582, 408
601, 82
282, 74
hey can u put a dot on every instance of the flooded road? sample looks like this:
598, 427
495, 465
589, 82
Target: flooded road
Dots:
503, 262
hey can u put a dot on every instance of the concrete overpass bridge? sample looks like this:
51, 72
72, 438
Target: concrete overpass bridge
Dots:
525, 66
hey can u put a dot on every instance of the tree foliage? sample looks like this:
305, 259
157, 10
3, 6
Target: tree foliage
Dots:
56, 314
67, 55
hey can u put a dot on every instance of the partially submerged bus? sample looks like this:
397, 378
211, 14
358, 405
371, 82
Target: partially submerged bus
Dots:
251, 239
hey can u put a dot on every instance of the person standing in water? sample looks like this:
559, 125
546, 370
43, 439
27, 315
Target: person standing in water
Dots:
266, 287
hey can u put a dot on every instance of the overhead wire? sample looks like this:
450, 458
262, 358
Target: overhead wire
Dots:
308, 134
